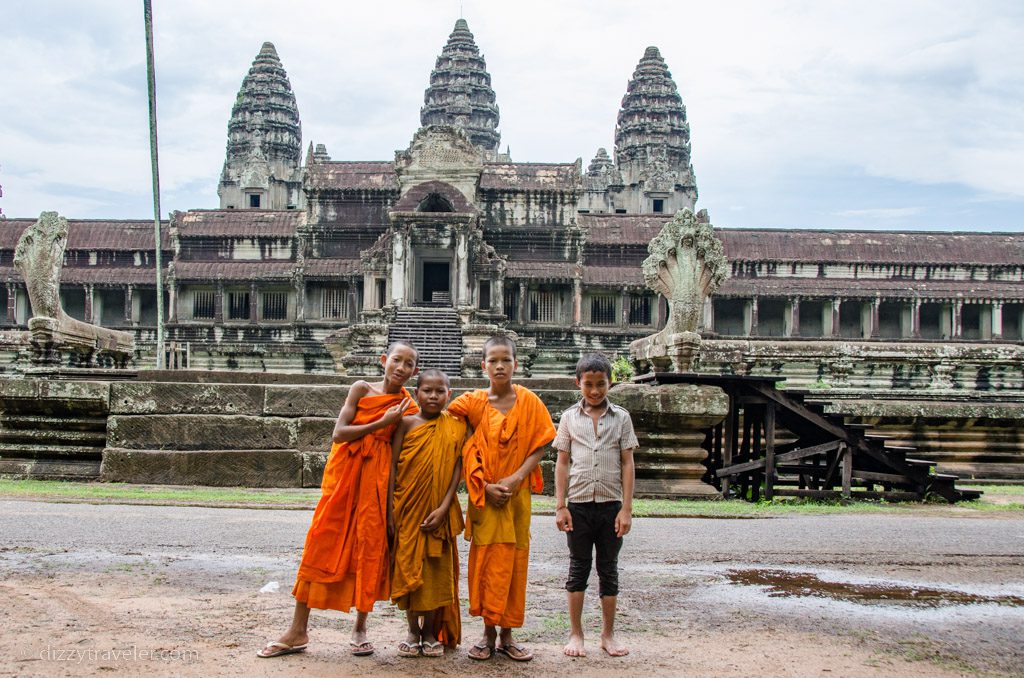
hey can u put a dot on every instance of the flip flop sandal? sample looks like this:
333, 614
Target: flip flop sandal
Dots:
409, 649
277, 649
363, 649
480, 648
435, 649
515, 652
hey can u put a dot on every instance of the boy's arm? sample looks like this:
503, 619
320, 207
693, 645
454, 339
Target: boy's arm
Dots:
563, 519
397, 439
440, 514
624, 520
345, 431
513, 481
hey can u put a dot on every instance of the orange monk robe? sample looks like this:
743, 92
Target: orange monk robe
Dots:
345, 561
425, 574
500, 536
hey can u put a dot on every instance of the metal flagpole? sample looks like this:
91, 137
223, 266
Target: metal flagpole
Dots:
147, 7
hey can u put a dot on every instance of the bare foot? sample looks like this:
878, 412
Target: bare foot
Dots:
574, 648
359, 645
612, 646
291, 639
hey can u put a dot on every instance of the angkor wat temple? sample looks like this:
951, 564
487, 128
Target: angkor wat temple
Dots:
311, 262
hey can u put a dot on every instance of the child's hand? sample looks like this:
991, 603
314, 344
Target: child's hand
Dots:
511, 482
623, 522
395, 413
497, 494
563, 520
434, 520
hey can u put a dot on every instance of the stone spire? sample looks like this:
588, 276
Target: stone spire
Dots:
265, 107
651, 127
601, 163
264, 150
460, 91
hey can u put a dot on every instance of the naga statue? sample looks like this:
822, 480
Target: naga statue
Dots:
39, 257
686, 265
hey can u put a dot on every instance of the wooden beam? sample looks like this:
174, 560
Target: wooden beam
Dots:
769, 449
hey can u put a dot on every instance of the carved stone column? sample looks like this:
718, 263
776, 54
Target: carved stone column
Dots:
997, 320
399, 266
958, 319
173, 296
12, 304
623, 308
753, 317
671, 421
577, 301
876, 331
218, 304
89, 292
299, 285
462, 293
253, 297
523, 302
835, 317
794, 317
915, 319
498, 295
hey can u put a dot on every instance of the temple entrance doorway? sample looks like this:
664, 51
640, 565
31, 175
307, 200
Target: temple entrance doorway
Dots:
435, 285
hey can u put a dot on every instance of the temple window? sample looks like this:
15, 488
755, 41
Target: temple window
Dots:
238, 305
602, 310
970, 319
543, 306
275, 305
812, 317
890, 320
771, 320
73, 301
1013, 321
619, 210
204, 304
108, 306
334, 303
639, 309
511, 302
936, 321
382, 293
254, 200
659, 206
484, 296
851, 322
729, 317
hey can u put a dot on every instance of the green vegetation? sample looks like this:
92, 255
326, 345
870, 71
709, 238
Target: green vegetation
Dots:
996, 498
622, 369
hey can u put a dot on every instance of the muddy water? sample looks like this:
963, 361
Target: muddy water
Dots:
790, 584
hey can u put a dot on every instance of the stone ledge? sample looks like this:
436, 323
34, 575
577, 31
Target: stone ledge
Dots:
185, 398
222, 468
200, 432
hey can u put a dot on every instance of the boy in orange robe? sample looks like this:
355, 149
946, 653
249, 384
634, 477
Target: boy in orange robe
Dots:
425, 517
511, 426
345, 560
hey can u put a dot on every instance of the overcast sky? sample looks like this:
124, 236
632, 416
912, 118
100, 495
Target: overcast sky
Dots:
888, 114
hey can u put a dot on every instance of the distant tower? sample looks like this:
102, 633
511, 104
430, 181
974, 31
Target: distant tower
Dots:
460, 91
652, 141
262, 168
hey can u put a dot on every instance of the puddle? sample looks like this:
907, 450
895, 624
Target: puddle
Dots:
786, 584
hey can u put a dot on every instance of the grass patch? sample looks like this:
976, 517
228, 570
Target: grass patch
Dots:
997, 498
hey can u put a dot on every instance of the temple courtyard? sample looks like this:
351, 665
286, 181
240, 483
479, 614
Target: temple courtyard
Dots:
95, 583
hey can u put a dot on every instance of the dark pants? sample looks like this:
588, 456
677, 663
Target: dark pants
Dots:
593, 528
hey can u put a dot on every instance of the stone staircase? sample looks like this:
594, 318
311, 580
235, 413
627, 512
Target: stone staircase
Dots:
435, 333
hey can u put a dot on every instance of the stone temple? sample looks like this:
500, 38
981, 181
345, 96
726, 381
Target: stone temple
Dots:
312, 265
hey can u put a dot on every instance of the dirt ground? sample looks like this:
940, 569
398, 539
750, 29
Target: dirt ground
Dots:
176, 591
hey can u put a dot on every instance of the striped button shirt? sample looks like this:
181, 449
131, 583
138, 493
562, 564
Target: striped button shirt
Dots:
595, 463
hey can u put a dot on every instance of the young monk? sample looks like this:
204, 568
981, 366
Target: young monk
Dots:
425, 517
511, 426
345, 561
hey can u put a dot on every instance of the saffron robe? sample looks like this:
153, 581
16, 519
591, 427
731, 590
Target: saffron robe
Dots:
425, 571
500, 536
345, 560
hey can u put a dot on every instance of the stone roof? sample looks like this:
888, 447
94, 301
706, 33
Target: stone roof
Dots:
624, 229
99, 275
617, 276
531, 177
340, 176
234, 270
324, 268
243, 223
460, 92
94, 234
869, 288
541, 270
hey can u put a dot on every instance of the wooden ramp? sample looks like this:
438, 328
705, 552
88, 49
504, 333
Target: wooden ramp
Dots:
784, 443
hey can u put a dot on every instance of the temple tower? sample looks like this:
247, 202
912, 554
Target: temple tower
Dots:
460, 91
262, 168
652, 143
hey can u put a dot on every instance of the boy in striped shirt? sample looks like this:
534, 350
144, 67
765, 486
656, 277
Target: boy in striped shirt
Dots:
594, 496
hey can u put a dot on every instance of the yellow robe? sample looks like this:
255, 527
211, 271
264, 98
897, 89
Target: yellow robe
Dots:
499, 537
425, 571
345, 560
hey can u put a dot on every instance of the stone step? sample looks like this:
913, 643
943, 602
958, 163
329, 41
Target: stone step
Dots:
24, 421
48, 451
54, 436
50, 469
